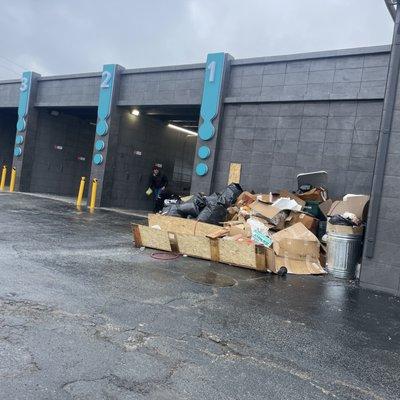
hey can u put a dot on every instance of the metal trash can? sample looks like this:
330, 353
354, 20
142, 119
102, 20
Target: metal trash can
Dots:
343, 253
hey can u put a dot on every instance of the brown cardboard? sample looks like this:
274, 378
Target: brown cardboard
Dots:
358, 205
245, 198
307, 220
296, 242
315, 194
344, 230
310, 266
268, 198
272, 214
325, 207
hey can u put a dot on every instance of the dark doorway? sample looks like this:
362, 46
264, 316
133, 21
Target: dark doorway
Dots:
164, 135
8, 122
63, 149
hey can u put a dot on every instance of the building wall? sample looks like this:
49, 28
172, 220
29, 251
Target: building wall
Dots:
9, 93
162, 86
59, 171
8, 121
74, 90
276, 141
157, 144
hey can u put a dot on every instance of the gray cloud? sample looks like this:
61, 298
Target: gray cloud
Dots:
67, 36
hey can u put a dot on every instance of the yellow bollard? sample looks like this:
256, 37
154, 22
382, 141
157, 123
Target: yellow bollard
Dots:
80, 193
3, 178
93, 195
13, 177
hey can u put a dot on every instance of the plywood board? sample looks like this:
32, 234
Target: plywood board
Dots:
240, 254
234, 173
194, 246
181, 225
154, 238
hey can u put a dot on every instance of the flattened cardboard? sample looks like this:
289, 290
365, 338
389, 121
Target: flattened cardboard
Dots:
309, 266
296, 242
272, 214
344, 230
358, 205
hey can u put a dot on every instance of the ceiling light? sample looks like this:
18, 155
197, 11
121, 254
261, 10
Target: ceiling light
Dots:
135, 111
178, 128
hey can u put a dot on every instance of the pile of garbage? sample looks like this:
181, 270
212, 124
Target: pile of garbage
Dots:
294, 225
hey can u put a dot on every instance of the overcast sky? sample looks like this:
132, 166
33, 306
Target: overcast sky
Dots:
55, 37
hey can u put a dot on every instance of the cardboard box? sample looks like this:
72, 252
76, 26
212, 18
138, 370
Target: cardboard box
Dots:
307, 220
297, 249
315, 194
272, 214
245, 198
356, 204
344, 230
268, 198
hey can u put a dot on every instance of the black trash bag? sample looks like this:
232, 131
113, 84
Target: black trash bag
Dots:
212, 199
192, 207
229, 196
304, 188
213, 214
172, 211
339, 220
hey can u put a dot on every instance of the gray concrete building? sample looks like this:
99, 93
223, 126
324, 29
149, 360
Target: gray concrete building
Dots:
276, 116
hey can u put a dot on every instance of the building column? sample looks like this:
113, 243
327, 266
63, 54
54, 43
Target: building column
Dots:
107, 131
215, 81
24, 150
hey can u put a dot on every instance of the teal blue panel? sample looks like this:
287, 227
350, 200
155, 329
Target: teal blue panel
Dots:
98, 159
19, 139
204, 152
211, 94
24, 94
17, 151
99, 145
105, 98
201, 169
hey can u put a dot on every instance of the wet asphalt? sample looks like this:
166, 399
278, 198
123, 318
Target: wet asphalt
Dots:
85, 315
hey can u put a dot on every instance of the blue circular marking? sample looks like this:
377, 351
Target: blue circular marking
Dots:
17, 151
21, 125
204, 152
98, 159
99, 145
102, 128
201, 169
19, 139
206, 131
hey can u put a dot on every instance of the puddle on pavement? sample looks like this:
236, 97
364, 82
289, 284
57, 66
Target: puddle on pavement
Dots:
210, 278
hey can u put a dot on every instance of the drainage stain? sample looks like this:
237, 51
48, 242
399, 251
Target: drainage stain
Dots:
210, 278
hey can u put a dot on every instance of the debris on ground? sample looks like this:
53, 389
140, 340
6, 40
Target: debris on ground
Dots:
280, 232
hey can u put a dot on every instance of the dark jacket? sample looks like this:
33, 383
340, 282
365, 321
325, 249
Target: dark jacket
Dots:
157, 182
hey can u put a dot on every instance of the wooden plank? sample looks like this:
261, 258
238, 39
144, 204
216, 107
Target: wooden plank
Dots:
234, 173
181, 225
137, 240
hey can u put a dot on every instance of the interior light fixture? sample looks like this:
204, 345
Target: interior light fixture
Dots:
135, 111
178, 128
